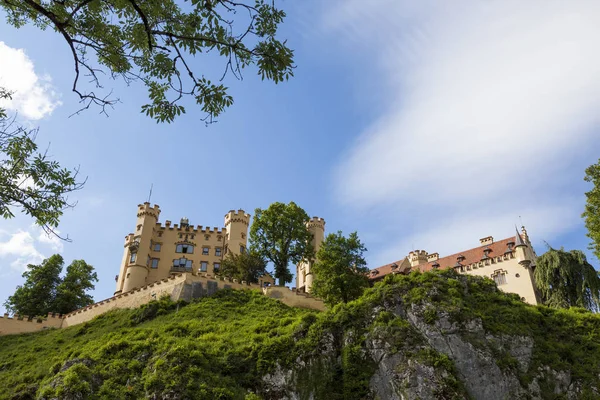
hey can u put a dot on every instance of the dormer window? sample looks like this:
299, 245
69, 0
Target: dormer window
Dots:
184, 248
394, 266
374, 272
435, 265
460, 258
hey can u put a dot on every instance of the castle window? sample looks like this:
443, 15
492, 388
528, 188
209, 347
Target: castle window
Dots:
139, 227
218, 251
206, 237
499, 277
219, 238
132, 257
242, 249
184, 248
156, 246
154, 263
205, 251
159, 233
203, 266
216, 267
183, 263
243, 235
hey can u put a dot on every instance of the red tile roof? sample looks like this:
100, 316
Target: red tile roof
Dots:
471, 256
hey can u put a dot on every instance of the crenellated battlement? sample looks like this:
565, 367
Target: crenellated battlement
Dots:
316, 222
417, 254
146, 209
198, 229
237, 216
25, 324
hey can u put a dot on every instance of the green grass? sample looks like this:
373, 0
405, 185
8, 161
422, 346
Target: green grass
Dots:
220, 347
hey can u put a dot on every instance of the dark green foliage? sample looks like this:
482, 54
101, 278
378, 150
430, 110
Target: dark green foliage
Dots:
71, 291
44, 291
591, 214
154, 41
340, 272
37, 295
565, 279
247, 266
30, 181
278, 234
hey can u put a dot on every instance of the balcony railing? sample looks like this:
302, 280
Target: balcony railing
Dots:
181, 269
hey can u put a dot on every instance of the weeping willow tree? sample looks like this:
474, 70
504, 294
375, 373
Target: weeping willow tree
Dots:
566, 279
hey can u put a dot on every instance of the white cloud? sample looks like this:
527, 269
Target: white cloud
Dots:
34, 96
29, 246
487, 105
53, 241
20, 250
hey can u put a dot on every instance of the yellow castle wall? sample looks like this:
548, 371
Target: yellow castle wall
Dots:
294, 298
157, 244
180, 287
519, 279
22, 324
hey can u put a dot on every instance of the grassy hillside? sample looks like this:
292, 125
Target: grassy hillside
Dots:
211, 349
223, 347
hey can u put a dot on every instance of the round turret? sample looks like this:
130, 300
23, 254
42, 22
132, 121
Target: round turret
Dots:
316, 226
236, 225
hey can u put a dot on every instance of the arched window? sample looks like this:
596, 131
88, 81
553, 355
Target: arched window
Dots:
184, 248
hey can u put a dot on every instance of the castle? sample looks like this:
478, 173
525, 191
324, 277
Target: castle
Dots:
510, 262
182, 261
156, 251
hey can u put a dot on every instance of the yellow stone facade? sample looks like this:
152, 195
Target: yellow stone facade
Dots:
155, 251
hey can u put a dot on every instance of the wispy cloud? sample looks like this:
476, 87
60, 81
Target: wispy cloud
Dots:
22, 247
19, 249
33, 95
486, 105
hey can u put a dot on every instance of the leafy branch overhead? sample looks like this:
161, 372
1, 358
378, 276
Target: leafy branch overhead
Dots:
153, 41
30, 180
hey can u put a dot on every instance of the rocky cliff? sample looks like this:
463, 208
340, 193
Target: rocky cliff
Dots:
445, 336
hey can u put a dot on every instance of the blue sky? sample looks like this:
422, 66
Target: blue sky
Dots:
420, 126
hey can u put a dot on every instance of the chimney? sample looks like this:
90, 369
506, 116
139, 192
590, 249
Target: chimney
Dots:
486, 241
433, 257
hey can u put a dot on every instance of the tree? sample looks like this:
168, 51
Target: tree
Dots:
30, 180
565, 279
36, 296
247, 266
152, 42
592, 208
71, 292
340, 271
45, 291
279, 234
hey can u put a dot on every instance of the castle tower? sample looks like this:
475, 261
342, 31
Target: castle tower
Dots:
417, 257
304, 277
521, 249
134, 266
236, 224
